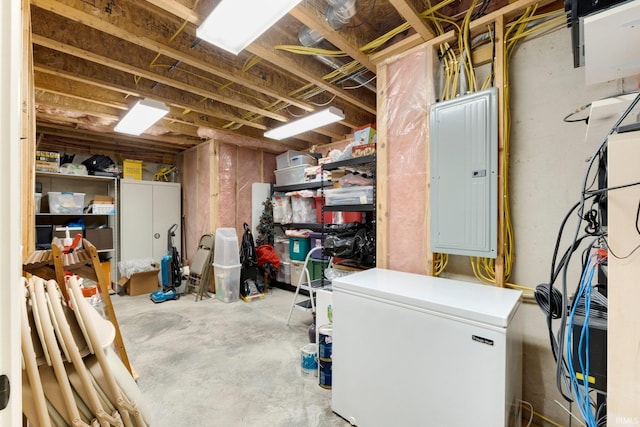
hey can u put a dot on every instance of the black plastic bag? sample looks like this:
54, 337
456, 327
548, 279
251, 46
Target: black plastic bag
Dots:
98, 162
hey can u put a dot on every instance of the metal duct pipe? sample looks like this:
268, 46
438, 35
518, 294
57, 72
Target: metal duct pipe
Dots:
310, 38
340, 12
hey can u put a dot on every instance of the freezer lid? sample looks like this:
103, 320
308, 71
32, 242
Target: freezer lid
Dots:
481, 303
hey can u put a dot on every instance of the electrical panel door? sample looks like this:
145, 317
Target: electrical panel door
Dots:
463, 160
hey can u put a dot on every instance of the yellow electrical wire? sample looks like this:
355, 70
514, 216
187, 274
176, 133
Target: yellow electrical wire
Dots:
305, 50
484, 268
522, 288
465, 47
519, 33
542, 417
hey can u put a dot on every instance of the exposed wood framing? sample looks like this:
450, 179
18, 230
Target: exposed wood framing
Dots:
343, 40
214, 199
382, 171
410, 11
28, 138
500, 84
411, 45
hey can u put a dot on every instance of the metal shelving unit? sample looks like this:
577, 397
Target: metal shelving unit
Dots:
90, 185
364, 164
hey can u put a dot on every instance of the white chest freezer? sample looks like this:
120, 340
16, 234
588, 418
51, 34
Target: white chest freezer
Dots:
413, 351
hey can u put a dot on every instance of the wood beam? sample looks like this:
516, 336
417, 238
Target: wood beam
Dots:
500, 64
79, 90
200, 112
477, 26
382, 171
397, 48
109, 114
203, 113
126, 30
173, 122
168, 142
344, 40
410, 11
136, 64
265, 51
90, 55
175, 8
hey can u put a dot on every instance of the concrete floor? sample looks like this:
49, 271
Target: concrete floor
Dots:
208, 363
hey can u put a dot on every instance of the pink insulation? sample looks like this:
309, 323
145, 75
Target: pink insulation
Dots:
407, 107
203, 181
227, 159
248, 172
269, 165
239, 140
237, 169
195, 175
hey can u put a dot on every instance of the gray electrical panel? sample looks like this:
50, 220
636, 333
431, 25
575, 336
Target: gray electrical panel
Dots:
464, 175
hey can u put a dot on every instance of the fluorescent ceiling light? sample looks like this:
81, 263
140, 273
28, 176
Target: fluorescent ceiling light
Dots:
234, 24
312, 121
141, 116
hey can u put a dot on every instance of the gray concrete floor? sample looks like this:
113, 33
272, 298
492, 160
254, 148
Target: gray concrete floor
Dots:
208, 363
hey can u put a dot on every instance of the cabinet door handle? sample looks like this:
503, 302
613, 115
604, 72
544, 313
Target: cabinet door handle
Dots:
157, 235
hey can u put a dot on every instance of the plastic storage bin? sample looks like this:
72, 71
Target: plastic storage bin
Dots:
303, 210
316, 240
282, 212
286, 267
227, 251
291, 175
66, 202
227, 279
316, 268
298, 248
297, 271
103, 209
37, 200
349, 195
281, 245
303, 159
283, 160
331, 217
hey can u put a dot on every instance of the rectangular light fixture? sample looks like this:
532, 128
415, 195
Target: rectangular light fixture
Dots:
234, 24
141, 116
307, 123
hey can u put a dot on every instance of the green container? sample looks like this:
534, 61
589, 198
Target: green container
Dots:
298, 248
316, 268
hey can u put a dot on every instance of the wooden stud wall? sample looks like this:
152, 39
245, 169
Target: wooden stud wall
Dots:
382, 171
28, 135
412, 44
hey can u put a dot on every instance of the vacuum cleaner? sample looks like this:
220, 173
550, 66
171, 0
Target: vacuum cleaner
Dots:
171, 270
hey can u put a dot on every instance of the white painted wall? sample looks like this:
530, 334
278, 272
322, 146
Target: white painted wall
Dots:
548, 162
10, 247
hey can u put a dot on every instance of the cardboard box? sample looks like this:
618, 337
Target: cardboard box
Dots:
141, 283
102, 200
132, 169
365, 135
47, 161
363, 150
101, 238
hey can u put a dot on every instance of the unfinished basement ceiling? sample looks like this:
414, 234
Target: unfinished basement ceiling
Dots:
94, 58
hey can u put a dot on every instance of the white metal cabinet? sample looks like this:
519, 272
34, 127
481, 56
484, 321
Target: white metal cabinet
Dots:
412, 350
147, 210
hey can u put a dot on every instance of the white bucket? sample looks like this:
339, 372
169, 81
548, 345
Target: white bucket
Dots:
309, 360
